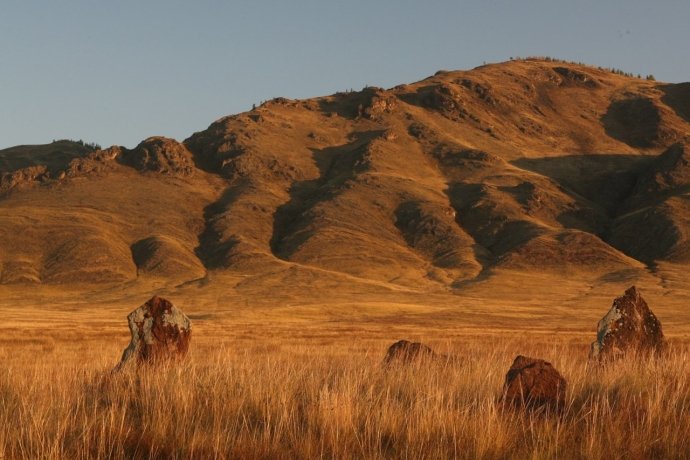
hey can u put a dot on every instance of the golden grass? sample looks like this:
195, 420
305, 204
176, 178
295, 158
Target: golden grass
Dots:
286, 377
282, 399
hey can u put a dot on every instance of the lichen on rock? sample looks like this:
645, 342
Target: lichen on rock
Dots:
628, 327
160, 332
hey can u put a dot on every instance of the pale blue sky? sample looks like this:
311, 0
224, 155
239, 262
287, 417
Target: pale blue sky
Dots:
116, 72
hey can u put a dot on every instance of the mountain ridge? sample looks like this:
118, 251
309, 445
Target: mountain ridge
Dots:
529, 165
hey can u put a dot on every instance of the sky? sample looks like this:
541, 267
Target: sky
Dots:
117, 72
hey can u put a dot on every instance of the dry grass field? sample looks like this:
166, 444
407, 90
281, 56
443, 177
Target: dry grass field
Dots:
286, 380
330, 398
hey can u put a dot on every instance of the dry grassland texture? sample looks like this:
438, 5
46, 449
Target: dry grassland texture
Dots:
281, 400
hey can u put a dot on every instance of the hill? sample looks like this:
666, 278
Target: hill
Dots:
462, 180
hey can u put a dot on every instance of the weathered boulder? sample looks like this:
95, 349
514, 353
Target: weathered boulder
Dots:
534, 384
628, 327
405, 352
160, 332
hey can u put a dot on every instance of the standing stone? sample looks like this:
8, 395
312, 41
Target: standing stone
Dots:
160, 332
628, 327
404, 351
534, 384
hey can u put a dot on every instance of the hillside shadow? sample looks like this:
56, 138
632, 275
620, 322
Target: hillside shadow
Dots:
460, 195
494, 234
678, 98
602, 185
337, 165
610, 184
213, 247
605, 180
634, 120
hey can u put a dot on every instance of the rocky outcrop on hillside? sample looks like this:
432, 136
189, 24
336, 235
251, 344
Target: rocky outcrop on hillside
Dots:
159, 155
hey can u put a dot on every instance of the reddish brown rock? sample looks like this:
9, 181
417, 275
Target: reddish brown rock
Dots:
628, 327
97, 162
160, 332
161, 155
381, 102
404, 351
534, 384
23, 176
